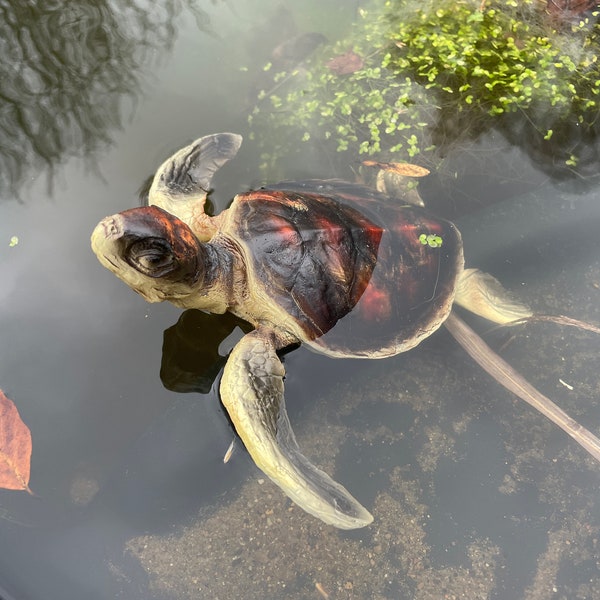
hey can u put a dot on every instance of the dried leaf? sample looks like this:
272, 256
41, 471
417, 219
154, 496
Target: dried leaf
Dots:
406, 169
15, 447
569, 8
346, 63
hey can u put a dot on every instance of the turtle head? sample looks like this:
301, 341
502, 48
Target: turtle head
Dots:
153, 252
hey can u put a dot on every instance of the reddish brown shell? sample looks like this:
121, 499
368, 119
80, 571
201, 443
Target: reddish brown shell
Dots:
354, 269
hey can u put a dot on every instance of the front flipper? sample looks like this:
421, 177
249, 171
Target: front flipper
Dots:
252, 393
182, 182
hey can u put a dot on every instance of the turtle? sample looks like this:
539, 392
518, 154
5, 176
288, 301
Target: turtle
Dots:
335, 265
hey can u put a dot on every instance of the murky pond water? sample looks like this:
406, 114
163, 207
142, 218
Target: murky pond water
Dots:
474, 494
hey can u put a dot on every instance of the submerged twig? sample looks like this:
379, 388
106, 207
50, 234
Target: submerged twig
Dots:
557, 319
229, 452
513, 381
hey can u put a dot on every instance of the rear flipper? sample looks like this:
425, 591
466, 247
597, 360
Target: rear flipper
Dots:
485, 296
252, 393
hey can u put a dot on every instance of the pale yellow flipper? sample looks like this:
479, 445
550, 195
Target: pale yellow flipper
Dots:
485, 296
252, 392
182, 182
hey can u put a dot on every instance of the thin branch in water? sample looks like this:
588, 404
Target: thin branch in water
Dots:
513, 381
557, 319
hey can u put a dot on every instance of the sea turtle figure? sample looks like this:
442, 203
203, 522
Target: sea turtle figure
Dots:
334, 265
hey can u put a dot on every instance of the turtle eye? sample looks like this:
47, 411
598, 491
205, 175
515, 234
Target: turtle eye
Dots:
151, 256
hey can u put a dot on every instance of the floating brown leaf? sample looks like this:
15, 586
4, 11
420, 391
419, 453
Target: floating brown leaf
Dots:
346, 63
15, 447
405, 169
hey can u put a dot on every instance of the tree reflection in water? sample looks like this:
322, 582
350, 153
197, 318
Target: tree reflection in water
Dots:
66, 69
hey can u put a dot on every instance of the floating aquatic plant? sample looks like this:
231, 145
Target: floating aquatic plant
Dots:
412, 78
431, 240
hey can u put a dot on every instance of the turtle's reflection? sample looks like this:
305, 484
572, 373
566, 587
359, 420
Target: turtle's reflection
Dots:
195, 349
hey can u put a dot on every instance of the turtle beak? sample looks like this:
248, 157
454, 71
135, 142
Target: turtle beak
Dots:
109, 229
103, 238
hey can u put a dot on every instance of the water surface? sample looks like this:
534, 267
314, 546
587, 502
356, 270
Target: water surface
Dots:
474, 495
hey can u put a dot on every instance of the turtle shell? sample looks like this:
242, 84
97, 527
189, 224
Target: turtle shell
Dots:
360, 274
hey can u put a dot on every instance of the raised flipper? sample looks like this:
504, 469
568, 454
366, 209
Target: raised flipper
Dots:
182, 182
252, 393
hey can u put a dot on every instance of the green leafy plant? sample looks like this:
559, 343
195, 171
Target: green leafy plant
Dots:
431, 240
431, 72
